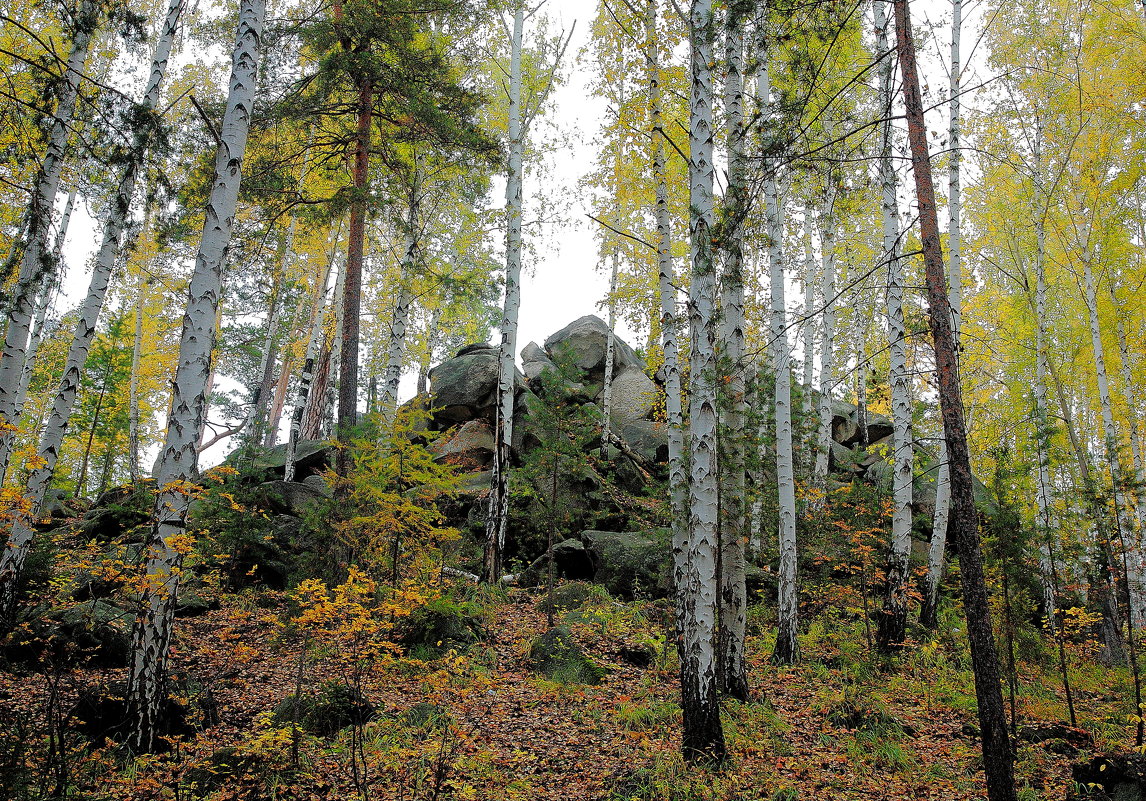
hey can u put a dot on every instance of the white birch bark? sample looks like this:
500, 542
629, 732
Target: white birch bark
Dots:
1130, 388
666, 289
151, 634
496, 519
807, 449
1042, 418
893, 620
20, 539
313, 345
695, 557
787, 647
35, 260
610, 357
827, 343
133, 386
399, 320
733, 510
1134, 576
50, 286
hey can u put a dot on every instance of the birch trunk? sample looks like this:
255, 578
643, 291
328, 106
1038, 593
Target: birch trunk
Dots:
1042, 417
807, 427
1134, 578
496, 519
307, 377
395, 350
1130, 388
827, 344
787, 647
35, 260
151, 635
20, 538
666, 289
732, 664
50, 286
998, 757
892, 628
133, 386
610, 358
694, 558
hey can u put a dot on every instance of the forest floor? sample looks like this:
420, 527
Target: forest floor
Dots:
842, 724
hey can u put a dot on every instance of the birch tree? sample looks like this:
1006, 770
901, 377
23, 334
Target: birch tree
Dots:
35, 259
892, 627
147, 124
732, 664
151, 634
787, 647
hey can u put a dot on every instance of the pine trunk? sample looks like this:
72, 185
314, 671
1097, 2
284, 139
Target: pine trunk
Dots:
151, 635
998, 757
352, 286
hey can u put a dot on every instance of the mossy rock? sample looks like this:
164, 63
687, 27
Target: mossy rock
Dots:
95, 633
556, 656
630, 565
123, 513
439, 626
568, 597
335, 707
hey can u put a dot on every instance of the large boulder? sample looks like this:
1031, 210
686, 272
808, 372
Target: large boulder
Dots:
534, 362
647, 438
1118, 777
465, 386
124, 512
311, 457
633, 396
557, 656
471, 445
630, 564
292, 497
585, 341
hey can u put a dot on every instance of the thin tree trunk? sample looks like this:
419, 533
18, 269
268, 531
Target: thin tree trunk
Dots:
732, 662
695, 557
309, 365
396, 349
1110, 438
133, 386
787, 647
827, 343
666, 289
35, 260
892, 624
998, 757
808, 413
1042, 418
927, 615
20, 538
151, 634
49, 288
610, 357
496, 519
